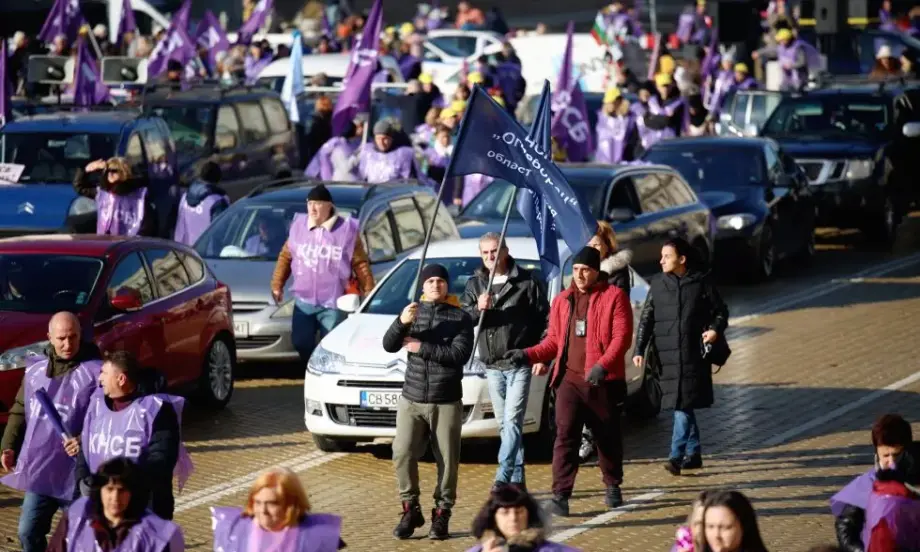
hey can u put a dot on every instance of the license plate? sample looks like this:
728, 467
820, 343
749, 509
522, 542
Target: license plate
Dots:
241, 329
379, 399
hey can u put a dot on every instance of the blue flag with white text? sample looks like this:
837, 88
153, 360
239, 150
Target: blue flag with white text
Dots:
491, 142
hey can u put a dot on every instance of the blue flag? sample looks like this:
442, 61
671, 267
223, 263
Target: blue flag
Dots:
491, 142
293, 82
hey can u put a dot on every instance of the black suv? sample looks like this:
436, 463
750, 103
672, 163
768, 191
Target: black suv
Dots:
847, 139
244, 129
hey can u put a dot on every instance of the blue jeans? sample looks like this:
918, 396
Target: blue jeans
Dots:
685, 440
509, 390
35, 520
307, 320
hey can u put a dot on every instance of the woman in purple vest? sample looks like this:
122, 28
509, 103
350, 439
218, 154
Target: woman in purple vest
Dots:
277, 517
114, 517
616, 129
512, 520
730, 524
121, 198
387, 160
201, 204
891, 434
893, 511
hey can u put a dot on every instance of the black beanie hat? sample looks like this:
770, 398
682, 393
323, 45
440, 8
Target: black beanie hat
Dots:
319, 193
435, 271
589, 257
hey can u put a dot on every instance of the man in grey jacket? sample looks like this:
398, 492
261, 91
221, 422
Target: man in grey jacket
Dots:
516, 310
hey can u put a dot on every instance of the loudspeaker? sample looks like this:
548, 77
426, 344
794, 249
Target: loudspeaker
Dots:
50, 69
124, 70
830, 16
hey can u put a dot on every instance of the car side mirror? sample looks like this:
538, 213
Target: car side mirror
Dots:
126, 300
911, 130
348, 303
620, 214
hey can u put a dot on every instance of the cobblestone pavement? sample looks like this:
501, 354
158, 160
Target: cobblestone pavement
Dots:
819, 353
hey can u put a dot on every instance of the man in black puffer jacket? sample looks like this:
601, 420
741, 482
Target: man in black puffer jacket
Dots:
438, 336
683, 312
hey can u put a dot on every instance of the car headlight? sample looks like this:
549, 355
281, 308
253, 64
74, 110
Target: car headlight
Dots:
859, 168
286, 310
13, 359
475, 368
735, 222
81, 206
324, 362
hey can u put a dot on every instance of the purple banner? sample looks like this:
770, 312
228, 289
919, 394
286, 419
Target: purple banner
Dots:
570, 120
356, 96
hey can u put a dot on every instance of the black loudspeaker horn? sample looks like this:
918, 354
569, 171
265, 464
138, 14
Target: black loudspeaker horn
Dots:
830, 16
124, 70
50, 69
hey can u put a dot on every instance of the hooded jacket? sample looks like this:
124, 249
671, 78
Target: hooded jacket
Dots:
200, 189
615, 269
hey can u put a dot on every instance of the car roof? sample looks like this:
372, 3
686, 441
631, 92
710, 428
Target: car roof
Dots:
710, 141
352, 194
102, 122
80, 245
604, 169
209, 94
521, 248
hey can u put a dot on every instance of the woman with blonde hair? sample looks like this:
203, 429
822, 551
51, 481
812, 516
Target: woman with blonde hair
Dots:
691, 537
276, 518
121, 198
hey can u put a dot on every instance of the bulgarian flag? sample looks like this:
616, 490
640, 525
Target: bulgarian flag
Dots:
599, 31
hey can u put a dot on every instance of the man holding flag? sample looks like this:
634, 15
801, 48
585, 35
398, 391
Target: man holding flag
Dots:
41, 457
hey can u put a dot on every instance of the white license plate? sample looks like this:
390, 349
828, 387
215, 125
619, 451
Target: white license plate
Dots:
241, 329
380, 399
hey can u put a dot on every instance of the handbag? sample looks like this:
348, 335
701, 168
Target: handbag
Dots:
717, 352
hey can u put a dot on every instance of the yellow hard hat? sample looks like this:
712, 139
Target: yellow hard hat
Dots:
458, 106
425, 78
406, 29
666, 63
498, 100
741, 68
783, 34
390, 30
700, 2
611, 95
447, 113
475, 78
664, 79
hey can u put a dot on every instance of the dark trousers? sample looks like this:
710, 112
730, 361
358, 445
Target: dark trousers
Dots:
579, 404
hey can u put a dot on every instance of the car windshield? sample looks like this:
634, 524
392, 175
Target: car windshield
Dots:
189, 125
253, 231
393, 294
711, 168
828, 116
492, 202
31, 282
54, 157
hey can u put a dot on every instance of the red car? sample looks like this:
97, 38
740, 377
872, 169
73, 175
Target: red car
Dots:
153, 297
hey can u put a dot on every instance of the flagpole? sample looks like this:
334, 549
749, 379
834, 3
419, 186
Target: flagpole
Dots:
501, 242
437, 205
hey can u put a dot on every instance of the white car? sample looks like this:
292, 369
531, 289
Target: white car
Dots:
352, 385
334, 66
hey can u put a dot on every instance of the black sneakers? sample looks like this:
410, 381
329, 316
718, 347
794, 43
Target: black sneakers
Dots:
411, 520
439, 520
672, 466
694, 462
614, 498
557, 506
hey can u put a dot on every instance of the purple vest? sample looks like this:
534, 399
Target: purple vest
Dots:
685, 25
192, 221
720, 87
234, 532
424, 133
119, 215
792, 78
473, 184
902, 515
611, 137
650, 136
323, 165
321, 259
108, 434
42, 466
856, 493
150, 534
377, 167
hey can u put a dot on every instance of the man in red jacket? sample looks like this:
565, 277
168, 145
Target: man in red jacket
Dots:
590, 330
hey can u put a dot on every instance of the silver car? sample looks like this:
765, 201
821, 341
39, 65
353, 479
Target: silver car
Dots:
242, 245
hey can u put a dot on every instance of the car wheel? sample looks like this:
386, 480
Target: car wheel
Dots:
645, 404
539, 445
883, 227
217, 377
328, 444
766, 255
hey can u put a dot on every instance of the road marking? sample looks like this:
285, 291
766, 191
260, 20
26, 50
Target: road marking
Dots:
210, 494
606, 517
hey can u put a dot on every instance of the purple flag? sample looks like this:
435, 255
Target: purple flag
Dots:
177, 45
51, 412
356, 96
64, 18
255, 21
126, 23
210, 35
570, 119
180, 18
6, 89
88, 88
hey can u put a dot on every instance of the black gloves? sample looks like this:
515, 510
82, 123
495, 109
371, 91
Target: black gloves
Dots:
596, 376
515, 357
